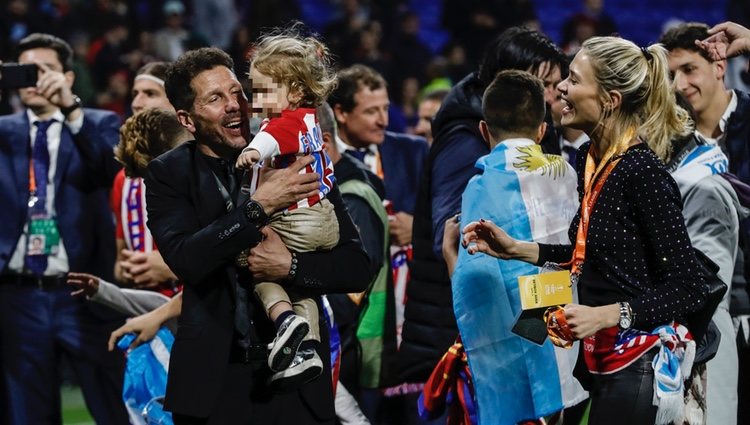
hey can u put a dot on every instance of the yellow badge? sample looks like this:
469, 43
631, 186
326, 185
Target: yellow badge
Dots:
545, 289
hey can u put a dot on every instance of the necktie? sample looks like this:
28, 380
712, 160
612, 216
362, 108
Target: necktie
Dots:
37, 263
370, 158
360, 154
231, 179
241, 311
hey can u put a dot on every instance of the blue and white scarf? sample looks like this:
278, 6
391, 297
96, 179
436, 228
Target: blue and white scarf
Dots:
672, 365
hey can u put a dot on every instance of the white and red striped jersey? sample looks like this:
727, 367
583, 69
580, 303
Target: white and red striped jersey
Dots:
295, 133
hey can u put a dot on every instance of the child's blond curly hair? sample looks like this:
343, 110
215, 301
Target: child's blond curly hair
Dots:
303, 64
146, 135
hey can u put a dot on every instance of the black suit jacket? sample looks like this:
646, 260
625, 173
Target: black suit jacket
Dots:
199, 240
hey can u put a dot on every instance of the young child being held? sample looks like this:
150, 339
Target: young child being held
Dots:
290, 76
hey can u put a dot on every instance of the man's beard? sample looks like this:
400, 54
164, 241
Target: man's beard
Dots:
214, 139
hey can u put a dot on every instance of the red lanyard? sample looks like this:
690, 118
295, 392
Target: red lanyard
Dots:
591, 193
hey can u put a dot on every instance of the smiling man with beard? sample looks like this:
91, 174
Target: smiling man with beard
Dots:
201, 220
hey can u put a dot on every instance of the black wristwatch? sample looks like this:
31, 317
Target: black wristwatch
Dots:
77, 103
255, 213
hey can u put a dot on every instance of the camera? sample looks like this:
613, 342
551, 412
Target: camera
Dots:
15, 76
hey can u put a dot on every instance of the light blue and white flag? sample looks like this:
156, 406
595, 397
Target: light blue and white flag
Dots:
532, 196
146, 375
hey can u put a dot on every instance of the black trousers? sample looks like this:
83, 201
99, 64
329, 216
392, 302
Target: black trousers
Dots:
234, 404
244, 401
624, 397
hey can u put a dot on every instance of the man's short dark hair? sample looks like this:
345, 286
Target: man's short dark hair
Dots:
350, 81
683, 36
514, 103
191, 63
40, 40
519, 48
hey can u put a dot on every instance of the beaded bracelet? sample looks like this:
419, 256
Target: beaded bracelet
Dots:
293, 267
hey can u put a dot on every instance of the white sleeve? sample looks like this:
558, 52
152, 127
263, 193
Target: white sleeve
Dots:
75, 125
265, 144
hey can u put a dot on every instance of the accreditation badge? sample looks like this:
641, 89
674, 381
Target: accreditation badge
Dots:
44, 237
538, 292
545, 289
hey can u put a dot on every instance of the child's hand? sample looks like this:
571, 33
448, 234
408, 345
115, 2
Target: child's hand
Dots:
247, 159
85, 284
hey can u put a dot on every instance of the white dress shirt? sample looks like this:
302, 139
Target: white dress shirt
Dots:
57, 263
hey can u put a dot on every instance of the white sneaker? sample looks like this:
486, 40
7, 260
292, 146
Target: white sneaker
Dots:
288, 338
305, 367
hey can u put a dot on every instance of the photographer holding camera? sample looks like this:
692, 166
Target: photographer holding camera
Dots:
56, 167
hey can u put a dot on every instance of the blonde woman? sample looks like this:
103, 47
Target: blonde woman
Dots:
632, 259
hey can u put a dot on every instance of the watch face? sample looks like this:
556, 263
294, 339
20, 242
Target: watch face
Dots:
254, 211
625, 322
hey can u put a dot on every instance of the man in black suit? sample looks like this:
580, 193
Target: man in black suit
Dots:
200, 222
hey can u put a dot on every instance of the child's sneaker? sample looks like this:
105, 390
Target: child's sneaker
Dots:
288, 338
305, 367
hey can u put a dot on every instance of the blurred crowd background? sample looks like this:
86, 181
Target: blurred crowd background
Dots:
418, 45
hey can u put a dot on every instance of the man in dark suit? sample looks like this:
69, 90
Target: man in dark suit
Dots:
200, 221
360, 104
56, 166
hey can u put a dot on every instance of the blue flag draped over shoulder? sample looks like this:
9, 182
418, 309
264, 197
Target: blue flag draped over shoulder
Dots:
532, 196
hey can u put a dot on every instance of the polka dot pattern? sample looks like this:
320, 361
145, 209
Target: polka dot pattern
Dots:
637, 248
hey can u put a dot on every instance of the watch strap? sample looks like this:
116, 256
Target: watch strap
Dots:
77, 103
626, 314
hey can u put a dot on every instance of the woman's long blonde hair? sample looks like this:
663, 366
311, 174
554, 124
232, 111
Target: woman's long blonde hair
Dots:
648, 104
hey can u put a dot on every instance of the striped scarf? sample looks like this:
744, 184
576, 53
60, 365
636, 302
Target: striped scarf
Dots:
133, 215
611, 350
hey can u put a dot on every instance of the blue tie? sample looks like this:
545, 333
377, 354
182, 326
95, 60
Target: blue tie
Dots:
37, 264
360, 154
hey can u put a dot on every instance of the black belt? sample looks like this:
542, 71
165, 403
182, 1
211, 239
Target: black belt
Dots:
252, 354
41, 282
